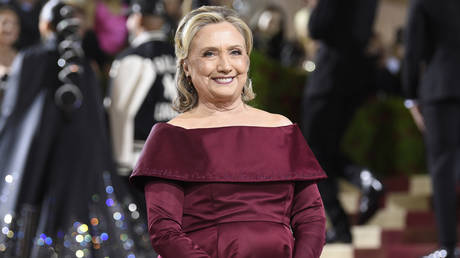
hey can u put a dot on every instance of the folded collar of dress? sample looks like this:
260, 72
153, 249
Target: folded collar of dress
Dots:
226, 154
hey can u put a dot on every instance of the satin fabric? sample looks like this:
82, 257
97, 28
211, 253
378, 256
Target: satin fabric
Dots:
267, 210
227, 154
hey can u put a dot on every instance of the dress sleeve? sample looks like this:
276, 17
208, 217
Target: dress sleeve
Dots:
164, 209
308, 221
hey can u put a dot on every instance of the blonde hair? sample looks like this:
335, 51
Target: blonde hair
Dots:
188, 27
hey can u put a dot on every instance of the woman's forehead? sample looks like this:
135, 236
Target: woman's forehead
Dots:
223, 33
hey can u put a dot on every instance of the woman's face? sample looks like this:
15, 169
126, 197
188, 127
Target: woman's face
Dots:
9, 27
218, 63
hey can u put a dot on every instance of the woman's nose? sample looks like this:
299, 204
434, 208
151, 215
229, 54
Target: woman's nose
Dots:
224, 65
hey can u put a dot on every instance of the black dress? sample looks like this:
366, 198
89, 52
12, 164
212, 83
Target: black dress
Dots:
58, 194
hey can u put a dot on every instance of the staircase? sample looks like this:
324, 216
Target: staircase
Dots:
403, 228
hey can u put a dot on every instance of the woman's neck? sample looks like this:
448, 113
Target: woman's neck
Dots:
215, 115
219, 109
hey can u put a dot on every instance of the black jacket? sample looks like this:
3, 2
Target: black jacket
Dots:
432, 42
344, 29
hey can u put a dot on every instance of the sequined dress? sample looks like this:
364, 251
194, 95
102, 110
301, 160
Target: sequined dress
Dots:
59, 196
234, 191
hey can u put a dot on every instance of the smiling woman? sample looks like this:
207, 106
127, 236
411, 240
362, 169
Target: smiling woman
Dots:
218, 64
223, 179
189, 46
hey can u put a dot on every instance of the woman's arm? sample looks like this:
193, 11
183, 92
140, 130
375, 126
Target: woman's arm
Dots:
164, 209
308, 221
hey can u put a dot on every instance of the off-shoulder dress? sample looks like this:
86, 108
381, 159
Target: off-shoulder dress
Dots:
236, 191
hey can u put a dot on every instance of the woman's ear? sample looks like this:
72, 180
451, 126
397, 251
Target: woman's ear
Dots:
185, 67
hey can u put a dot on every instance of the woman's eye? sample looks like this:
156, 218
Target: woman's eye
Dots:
236, 52
208, 53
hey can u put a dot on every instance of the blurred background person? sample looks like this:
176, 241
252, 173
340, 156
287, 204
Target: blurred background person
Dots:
28, 12
9, 33
109, 25
198, 3
301, 20
432, 82
99, 59
269, 31
342, 81
59, 195
270, 37
142, 82
173, 14
110, 32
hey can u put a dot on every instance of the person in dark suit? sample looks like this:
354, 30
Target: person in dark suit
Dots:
433, 42
342, 81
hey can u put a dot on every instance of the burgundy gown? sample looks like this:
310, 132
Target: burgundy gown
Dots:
236, 191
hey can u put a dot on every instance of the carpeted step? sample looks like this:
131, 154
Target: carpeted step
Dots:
338, 250
408, 251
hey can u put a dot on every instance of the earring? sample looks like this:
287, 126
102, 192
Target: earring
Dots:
189, 83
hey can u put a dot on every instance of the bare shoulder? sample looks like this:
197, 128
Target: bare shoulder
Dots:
281, 120
181, 120
270, 119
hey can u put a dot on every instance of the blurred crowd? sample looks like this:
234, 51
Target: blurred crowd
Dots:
105, 33
83, 83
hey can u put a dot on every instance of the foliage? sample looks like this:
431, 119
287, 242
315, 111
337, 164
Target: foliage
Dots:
278, 89
384, 137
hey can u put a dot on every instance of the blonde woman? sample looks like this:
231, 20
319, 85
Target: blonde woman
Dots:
224, 179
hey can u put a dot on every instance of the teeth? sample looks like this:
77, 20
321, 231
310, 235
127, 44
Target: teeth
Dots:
223, 80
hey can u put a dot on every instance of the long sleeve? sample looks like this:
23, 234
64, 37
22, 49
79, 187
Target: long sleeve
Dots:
415, 44
308, 221
164, 209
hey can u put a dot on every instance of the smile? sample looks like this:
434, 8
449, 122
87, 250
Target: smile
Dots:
223, 80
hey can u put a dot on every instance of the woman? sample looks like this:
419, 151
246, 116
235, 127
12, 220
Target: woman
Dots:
223, 179
9, 33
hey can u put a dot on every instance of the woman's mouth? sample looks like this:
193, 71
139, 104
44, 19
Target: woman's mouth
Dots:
223, 80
